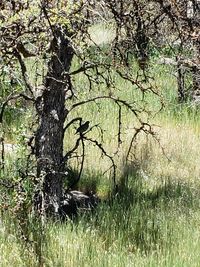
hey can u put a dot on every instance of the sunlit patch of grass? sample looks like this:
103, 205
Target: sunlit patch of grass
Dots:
178, 131
102, 33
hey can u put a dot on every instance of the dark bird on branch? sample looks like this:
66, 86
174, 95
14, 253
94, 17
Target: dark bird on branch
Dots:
83, 128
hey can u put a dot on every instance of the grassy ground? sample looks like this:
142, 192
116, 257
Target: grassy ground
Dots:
154, 221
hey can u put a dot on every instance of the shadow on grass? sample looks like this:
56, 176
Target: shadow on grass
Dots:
140, 217
87, 184
135, 217
133, 189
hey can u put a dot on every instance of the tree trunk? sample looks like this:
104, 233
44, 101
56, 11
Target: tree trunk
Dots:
196, 84
181, 82
51, 111
196, 43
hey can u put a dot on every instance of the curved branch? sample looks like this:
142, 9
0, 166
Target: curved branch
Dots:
81, 169
71, 122
116, 100
24, 71
113, 166
70, 152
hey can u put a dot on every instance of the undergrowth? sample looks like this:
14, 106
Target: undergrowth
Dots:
152, 219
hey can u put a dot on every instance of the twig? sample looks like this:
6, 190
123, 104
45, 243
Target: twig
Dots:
116, 100
113, 166
119, 125
24, 71
71, 122
81, 168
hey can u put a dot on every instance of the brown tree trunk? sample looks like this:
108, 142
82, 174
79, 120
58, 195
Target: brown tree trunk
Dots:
196, 84
50, 106
181, 82
196, 43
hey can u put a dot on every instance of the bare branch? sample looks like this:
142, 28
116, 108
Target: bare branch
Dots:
119, 125
99, 145
71, 122
81, 167
116, 100
70, 152
84, 68
24, 71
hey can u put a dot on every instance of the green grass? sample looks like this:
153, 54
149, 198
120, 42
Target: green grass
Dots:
154, 220
139, 228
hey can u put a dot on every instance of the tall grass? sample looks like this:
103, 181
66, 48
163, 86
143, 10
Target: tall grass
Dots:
139, 228
154, 218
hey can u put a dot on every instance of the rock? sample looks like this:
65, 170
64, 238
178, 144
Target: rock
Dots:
9, 148
75, 202
167, 61
196, 101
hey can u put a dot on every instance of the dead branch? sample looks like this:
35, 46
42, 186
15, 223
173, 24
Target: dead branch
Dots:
119, 125
142, 128
99, 145
71, 122
24, 71
116, 100
70, 152
86, 66
81, 167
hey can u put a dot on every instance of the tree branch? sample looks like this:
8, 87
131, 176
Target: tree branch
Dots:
71, 122
70, 152
24, 71
81, 168
113, 166
116, 100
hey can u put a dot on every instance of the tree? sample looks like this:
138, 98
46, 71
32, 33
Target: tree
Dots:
183, 19
51, 35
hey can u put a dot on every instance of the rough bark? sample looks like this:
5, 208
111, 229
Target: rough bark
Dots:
196, 84
196, 44
181, 83
51, 111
